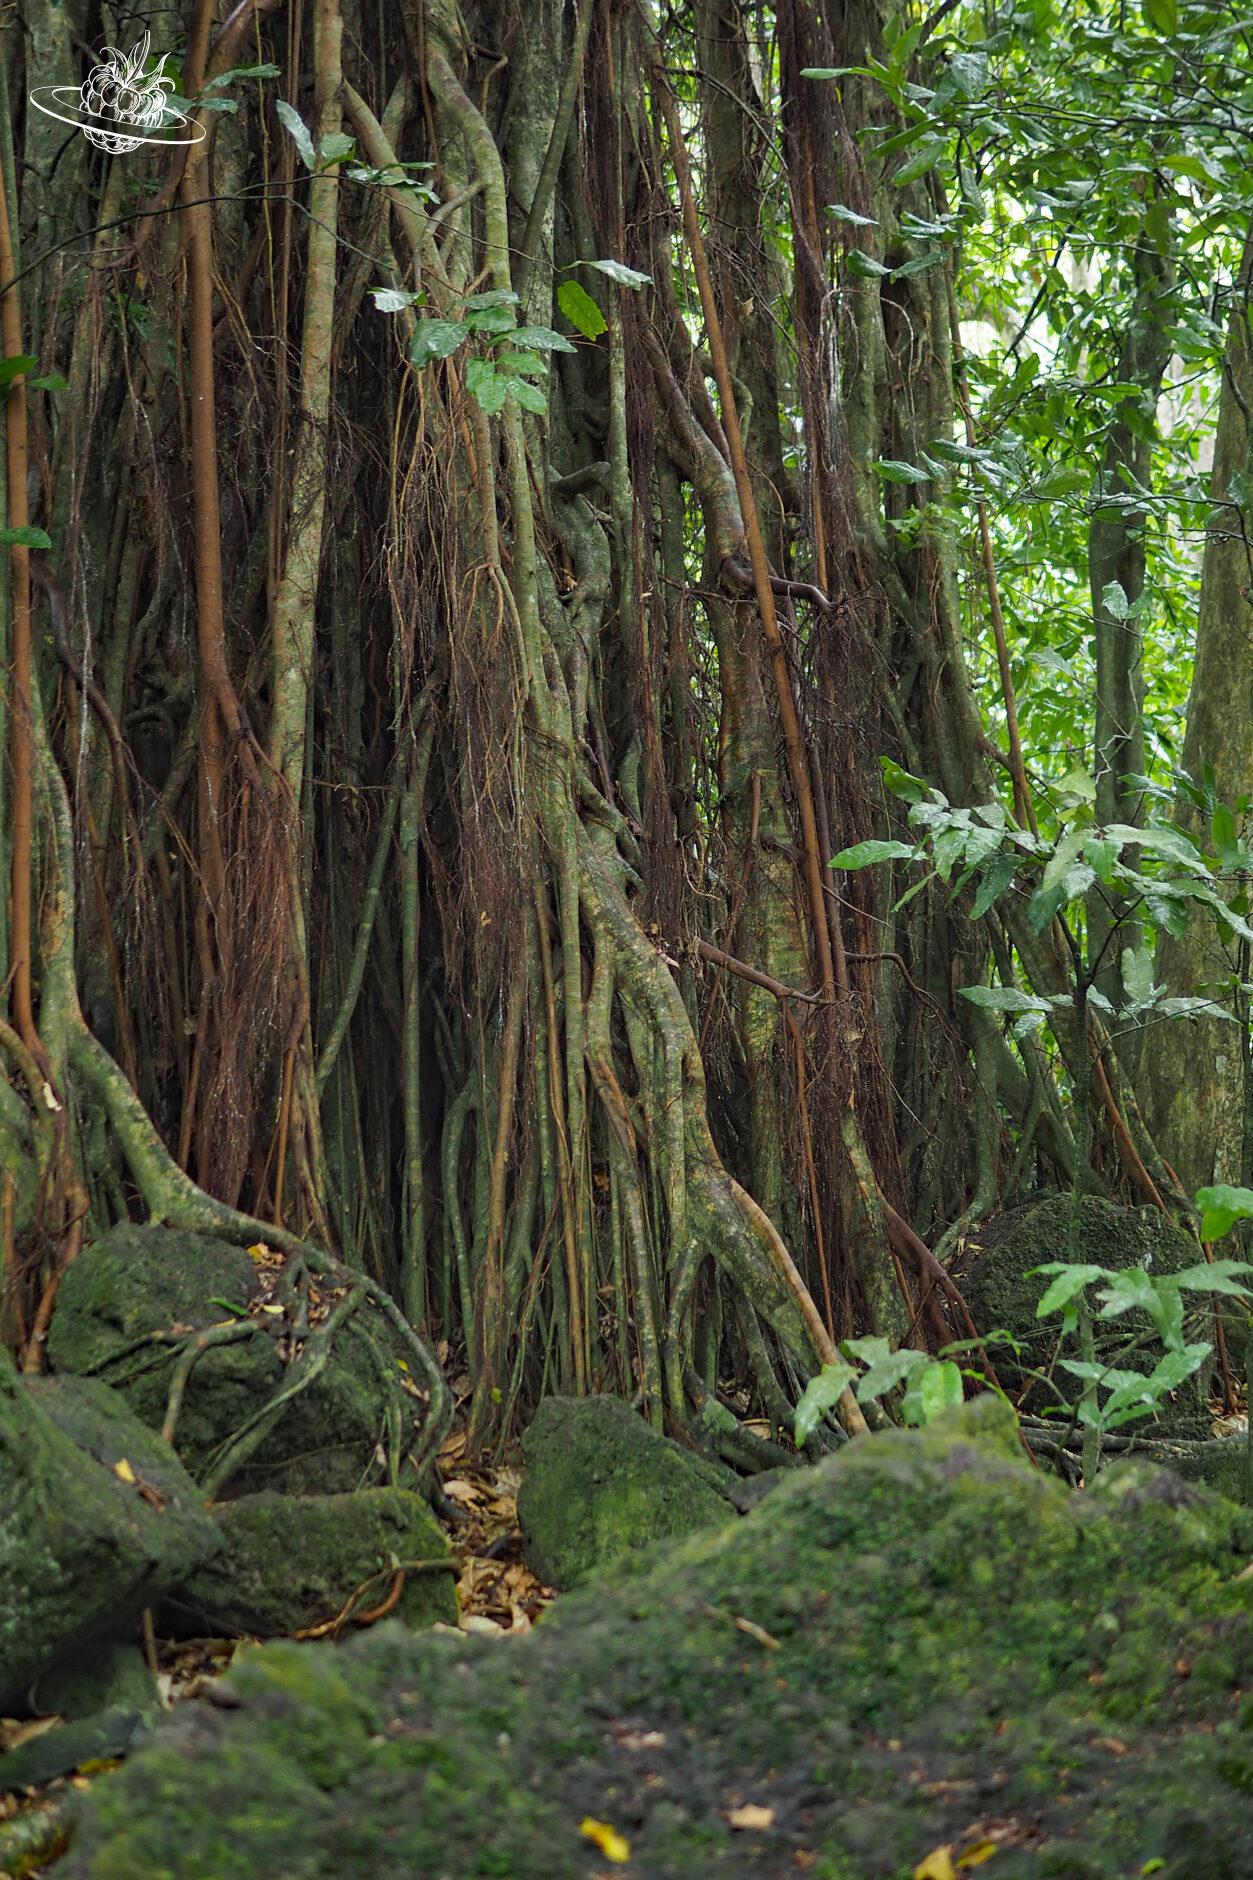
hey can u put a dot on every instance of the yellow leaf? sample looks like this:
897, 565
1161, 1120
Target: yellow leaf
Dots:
123, 1470
613, 1846
401, 1364
977, 1853
275, 1311
937, 1866
751, 1815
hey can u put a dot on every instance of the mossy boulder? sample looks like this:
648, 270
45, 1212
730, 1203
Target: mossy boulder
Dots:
921, 1642
291, 1562
1221, 1464
108, 1675
600, 1484
137, 1280
97, 1519
1003, 1293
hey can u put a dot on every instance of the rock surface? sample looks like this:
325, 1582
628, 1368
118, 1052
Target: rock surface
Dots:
83, 1548
920, 1643
1003, 1294
136, 1280
600, 1484
291, 1562
109, 1675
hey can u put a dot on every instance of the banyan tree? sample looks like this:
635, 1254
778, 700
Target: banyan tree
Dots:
465, 579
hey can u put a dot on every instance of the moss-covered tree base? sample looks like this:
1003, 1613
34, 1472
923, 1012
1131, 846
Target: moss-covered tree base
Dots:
920, 1642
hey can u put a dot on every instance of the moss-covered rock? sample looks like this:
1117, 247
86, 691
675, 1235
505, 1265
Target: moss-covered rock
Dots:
1003, 1294
600, 1484
83, 1547
918, 1643
290, 1562
137, 1280
1221, 1464
109, 1675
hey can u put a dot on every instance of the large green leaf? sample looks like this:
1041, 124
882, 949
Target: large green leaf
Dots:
435, 339
865, 854
821, 1394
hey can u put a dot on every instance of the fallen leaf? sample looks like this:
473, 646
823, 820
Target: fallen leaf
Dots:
640, 1739
486, 1628
13, 1734
751, 1815
123, 1470
976, 1853
937, 1866
457, 1490
613, 1846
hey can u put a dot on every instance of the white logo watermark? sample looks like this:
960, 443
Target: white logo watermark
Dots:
119, 106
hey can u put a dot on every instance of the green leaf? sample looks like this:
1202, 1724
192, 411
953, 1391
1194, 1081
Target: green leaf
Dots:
228, 1305
581, 310
1137, 973
889, 1370
530, 397
393, 299
1078, 784
1162, 16
49, 382
497, 321
902, 783
842, 213
435, 339
1221, 1207
1173, 1369
865, 266
1223, 834
497, 297
995, 879
821, 1394
542, 339
525, 364
485, 384
289, 116
1217, 1276
938, 1389
24, 538
1196, 1008
924, 158
1159, 839
619, 271
1004, 999
1114, 600
14, 367
894, 471
865, 854
336, 146
1069, 1281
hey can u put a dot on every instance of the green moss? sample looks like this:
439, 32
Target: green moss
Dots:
601, 1485
81, 1549
136, 1280
291, 1562
942, 1635
106, 1676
